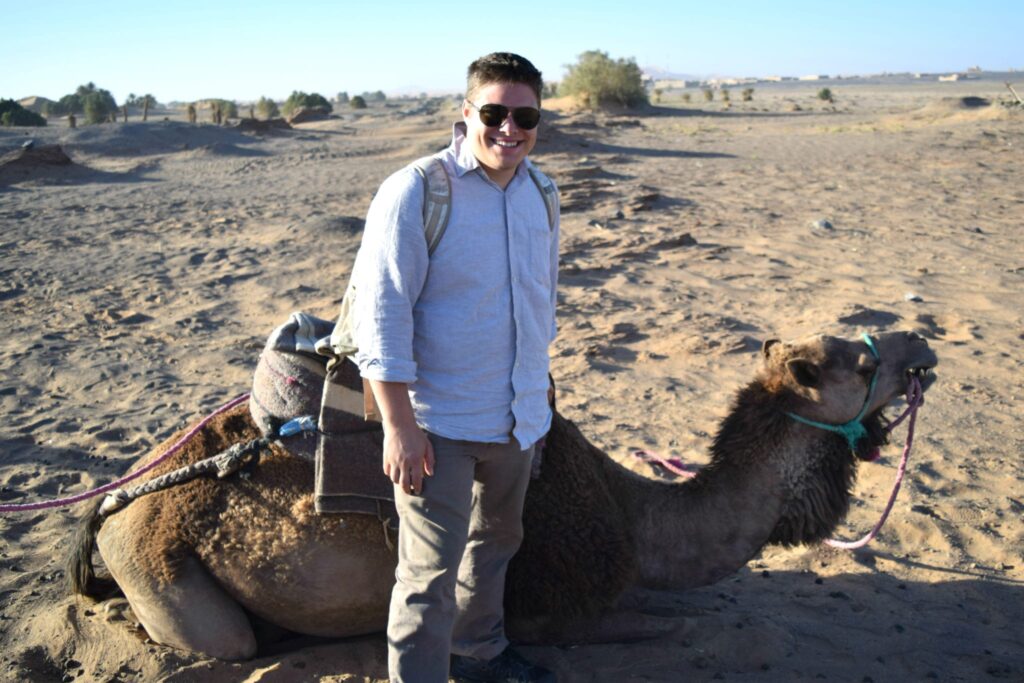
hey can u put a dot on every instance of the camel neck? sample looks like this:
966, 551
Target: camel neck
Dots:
698, 532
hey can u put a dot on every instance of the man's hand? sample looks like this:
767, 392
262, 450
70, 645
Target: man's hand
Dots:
408, 455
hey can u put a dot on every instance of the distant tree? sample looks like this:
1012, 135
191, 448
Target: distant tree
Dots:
96, 103
357, 102
300, 100
342, 97
709, 94
605, 80
98, 106
657, 95
748, 94
228, 108
267, 108
686, 97
13, 114
725, 94
549, 90
826, 95
375, 96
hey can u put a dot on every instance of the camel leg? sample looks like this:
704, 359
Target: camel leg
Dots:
191, 613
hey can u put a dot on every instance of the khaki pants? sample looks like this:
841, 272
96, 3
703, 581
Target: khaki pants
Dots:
454, 544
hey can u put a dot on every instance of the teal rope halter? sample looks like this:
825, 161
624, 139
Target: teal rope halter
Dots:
854, 430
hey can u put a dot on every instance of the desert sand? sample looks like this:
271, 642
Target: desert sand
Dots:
137, 287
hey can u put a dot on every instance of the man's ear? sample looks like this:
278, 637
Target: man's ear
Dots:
805, 372
767, 345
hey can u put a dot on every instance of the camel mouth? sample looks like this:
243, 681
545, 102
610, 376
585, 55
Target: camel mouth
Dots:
925, 375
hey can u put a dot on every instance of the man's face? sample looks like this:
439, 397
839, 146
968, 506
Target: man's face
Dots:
499, 149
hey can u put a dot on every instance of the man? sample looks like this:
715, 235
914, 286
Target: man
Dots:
455, 347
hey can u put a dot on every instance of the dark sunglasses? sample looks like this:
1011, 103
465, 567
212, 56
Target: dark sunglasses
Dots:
493, 115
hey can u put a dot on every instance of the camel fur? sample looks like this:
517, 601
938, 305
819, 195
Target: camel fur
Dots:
196, 560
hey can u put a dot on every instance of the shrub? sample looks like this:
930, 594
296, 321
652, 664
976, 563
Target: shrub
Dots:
13, 114
748, 94
657, 95
357, 102
826, 95
709, 94
686, 97
267, 108
725, 94
604, 80
97, 104
228, 108
300, 100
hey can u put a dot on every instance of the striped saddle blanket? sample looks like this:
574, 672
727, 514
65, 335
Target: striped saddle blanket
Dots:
299, 374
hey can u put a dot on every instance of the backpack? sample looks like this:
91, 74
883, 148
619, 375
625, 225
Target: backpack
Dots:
437, 200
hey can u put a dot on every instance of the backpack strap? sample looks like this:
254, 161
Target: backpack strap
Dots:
437, 199
548, 192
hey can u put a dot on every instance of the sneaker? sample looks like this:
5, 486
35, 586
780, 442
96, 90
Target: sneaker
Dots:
508, 667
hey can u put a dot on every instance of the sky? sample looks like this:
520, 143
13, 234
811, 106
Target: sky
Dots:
184, 50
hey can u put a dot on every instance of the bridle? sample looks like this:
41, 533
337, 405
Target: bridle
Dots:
854, 430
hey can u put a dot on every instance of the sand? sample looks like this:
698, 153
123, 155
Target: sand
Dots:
138, 285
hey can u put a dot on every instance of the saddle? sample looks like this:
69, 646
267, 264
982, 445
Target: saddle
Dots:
299, 374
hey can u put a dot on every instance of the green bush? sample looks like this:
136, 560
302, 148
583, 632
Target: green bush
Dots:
299, 100
97, 104
228, 108
748, 94
267, 109
13, 114
686, 97
725, 94
709, 94
603, 80
357, 102
826, 95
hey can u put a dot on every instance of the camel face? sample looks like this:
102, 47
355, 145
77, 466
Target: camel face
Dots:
831, 378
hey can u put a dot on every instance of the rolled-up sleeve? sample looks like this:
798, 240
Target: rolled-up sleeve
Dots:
389, 274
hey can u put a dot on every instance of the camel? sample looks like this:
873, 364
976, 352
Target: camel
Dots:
197, 560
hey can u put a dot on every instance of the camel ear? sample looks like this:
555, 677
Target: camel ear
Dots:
804, 372
767, 345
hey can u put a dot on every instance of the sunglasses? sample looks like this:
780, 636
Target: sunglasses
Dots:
493, 115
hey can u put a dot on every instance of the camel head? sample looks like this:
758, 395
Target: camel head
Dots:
832, 380
841, 383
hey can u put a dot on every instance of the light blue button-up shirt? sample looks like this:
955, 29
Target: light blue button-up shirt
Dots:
467, 328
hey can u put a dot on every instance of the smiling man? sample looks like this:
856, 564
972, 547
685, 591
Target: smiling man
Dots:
454, 344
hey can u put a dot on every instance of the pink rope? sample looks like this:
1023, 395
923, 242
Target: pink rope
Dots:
178, 445
674, 465
915, 397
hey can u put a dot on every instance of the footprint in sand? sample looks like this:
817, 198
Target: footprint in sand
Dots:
947, 327
870, 317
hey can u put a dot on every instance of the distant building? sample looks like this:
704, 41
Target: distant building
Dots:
674, 83
952, 77
814, 77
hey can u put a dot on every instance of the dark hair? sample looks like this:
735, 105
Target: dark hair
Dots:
503, 67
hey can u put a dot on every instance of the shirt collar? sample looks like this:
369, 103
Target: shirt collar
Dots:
463, 153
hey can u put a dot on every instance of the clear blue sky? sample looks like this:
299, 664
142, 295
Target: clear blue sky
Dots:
188, 49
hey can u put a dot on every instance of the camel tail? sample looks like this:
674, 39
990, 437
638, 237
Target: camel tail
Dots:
79, 570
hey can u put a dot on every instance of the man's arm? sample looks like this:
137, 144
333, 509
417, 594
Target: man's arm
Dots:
408, 455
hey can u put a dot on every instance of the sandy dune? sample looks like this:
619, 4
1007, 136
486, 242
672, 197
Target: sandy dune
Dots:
138, 285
